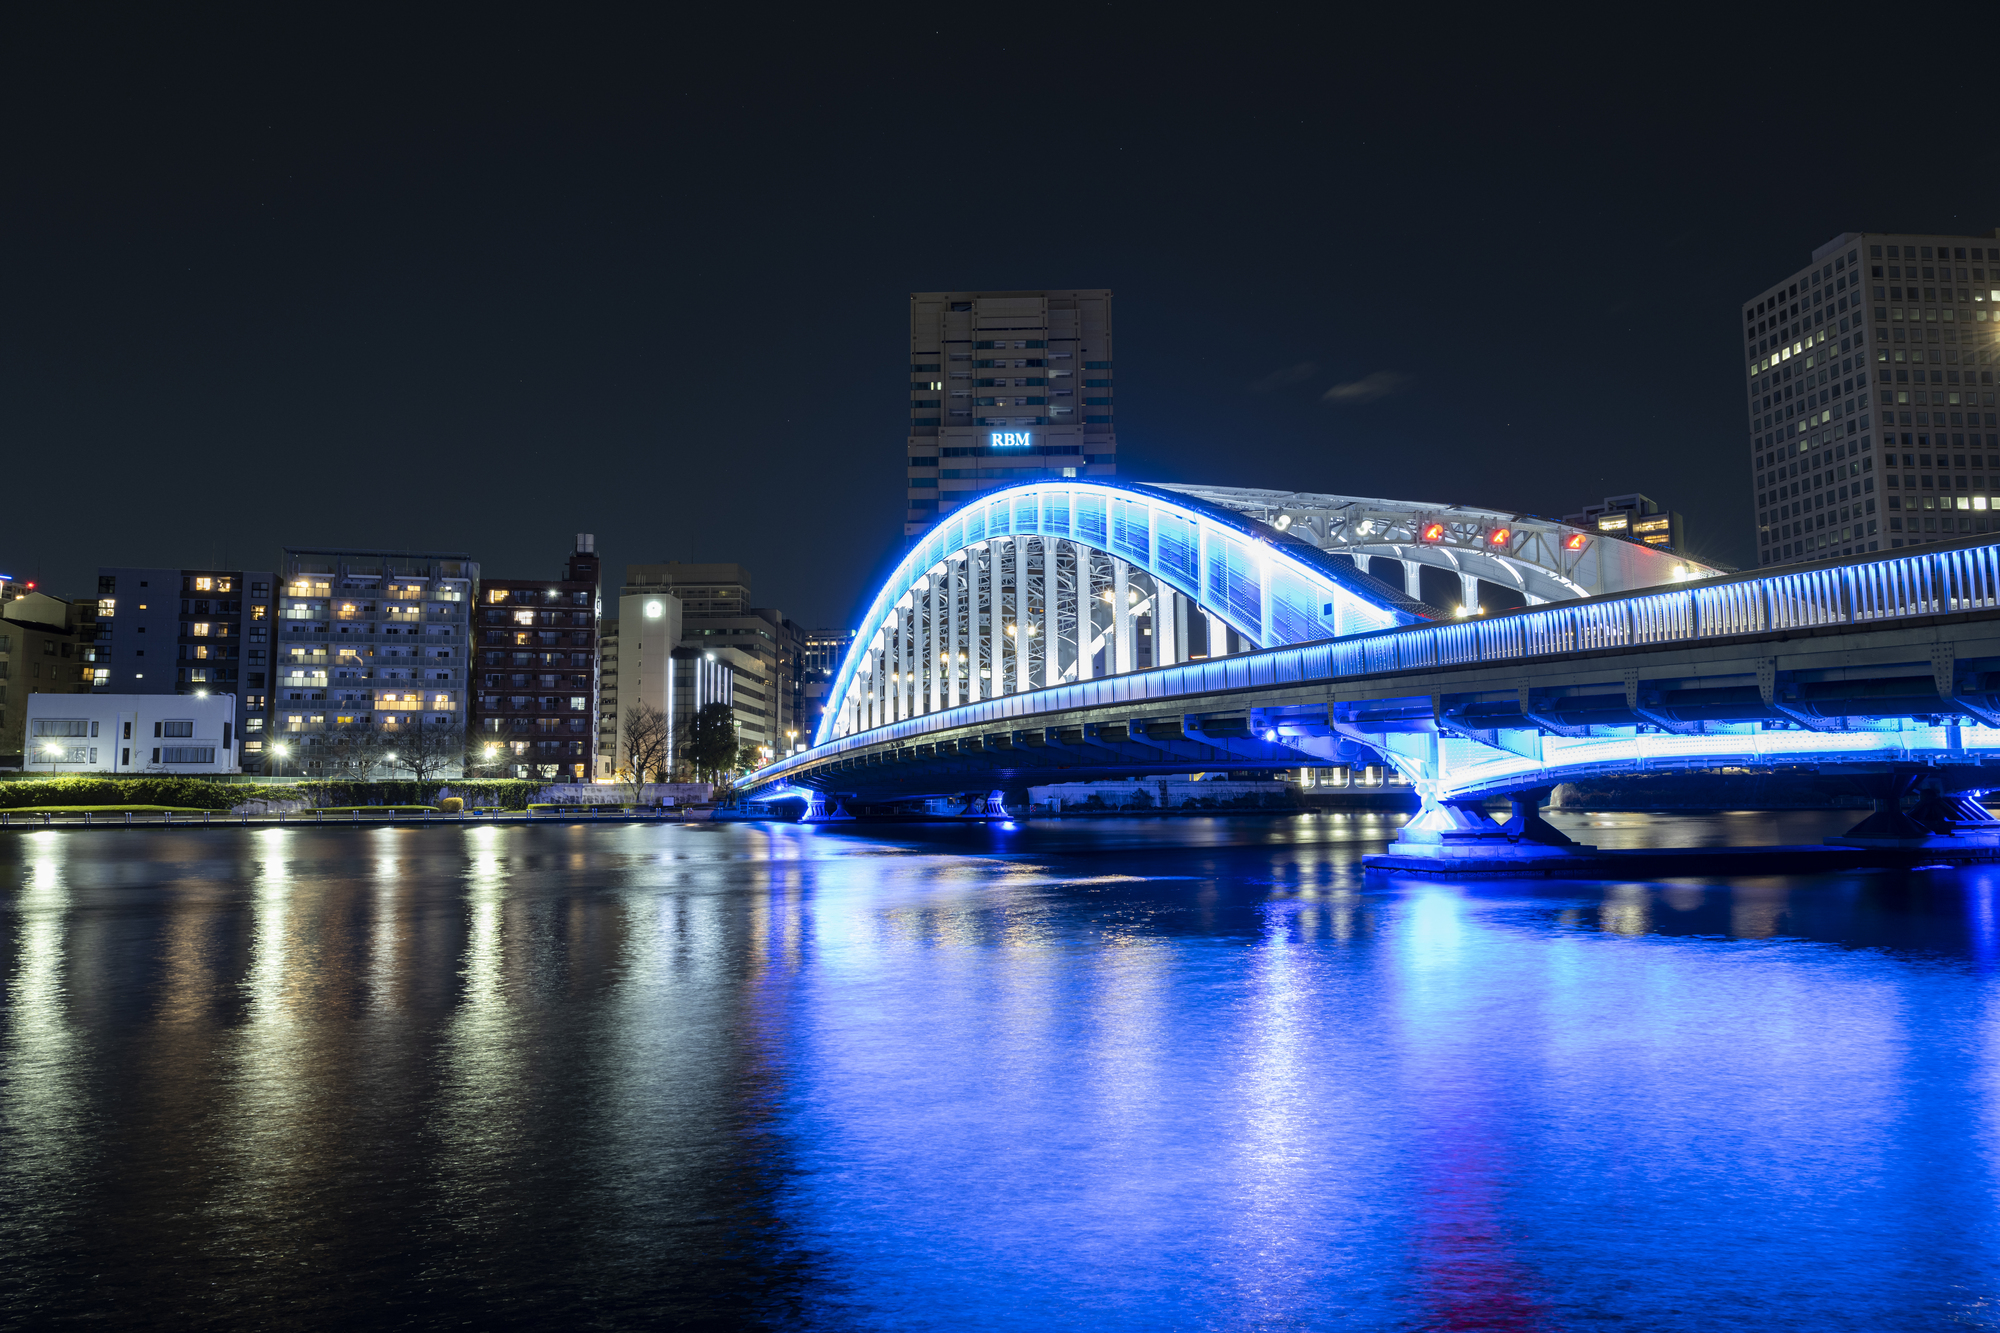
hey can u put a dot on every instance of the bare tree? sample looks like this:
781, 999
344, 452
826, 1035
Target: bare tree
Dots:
427, 746
350, 750
645, 743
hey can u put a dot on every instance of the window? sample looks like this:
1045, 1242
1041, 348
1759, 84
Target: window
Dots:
60, 726
185, 754
180, 727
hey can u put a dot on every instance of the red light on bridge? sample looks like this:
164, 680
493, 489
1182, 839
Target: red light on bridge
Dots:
1432, 532
1574, 542
1499, 536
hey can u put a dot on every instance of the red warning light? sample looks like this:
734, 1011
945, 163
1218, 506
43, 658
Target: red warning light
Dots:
1499, 536
1574, 542
1432, 532
31, 584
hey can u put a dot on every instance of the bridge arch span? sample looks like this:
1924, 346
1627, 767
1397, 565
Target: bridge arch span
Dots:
1059, 581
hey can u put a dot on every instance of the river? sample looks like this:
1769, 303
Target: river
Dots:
1098, 1075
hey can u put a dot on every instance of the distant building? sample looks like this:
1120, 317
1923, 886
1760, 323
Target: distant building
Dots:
1005, 387
536, 676
716, 624
1636, 518
1884, 338
379, 640
820, 658
607, 697
45, 648
190, 631
132, 733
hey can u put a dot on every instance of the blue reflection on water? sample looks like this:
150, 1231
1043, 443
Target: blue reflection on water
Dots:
1172, 1074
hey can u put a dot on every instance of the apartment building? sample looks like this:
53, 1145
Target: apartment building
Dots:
190, 632
1634, 517
1871, 396
535, 693
1005, 387
607, 697
725, 646
154, 732
45, 648
375, 642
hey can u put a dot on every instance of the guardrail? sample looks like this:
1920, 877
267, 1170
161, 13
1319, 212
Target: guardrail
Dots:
1964, 576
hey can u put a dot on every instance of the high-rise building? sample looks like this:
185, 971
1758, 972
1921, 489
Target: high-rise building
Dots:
372, 642
1885, 339
194, 632
536, 676
607, 697
1006, 387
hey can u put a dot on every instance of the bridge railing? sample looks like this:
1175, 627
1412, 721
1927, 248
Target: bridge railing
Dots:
1894, 586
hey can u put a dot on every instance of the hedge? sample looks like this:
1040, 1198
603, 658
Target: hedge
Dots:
79, 792
201, 794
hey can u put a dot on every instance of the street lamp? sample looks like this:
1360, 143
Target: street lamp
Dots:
54, 752
278, 748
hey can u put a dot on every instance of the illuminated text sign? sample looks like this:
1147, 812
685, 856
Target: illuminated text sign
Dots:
1011, 439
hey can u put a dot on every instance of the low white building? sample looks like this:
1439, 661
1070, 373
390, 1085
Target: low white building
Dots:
132, 733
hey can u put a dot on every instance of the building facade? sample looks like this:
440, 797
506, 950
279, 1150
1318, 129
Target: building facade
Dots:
1634, 517
607, 698
820, 655
191, 632
154, 732
717, 627
535, 695
46, 647
370, 644
1871, 396
1005, 387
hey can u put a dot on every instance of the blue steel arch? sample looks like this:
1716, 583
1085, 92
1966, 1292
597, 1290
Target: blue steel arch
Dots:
1272, 589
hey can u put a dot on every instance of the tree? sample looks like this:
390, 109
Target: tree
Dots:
645, 741
711, 741
350, 750
426, 746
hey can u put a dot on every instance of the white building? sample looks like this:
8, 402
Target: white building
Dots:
132, 733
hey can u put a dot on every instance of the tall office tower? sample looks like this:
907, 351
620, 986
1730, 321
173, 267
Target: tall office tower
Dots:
371, 645
1005, 387
190, 631
1885, 338
536, 678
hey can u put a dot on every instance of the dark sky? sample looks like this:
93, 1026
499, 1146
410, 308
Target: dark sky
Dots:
482, 280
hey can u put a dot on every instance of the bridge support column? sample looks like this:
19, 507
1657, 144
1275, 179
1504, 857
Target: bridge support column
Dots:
1122, 654
1218, 634
1166, 650
996, 637
1022, 639
1468, 592
954, 585
1086, 610
996, 804
1413, 581
818, 811
933, 647
1051, 613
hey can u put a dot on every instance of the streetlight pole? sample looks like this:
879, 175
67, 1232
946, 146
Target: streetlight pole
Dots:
53, 751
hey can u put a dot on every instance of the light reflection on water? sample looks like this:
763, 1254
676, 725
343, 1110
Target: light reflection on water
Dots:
1145, 1074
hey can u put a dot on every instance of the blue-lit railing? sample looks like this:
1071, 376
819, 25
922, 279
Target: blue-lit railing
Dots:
1881, 588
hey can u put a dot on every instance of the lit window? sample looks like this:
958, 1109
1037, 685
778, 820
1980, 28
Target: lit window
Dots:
199, 629
204, 585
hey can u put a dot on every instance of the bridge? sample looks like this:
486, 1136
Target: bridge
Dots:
1071, 632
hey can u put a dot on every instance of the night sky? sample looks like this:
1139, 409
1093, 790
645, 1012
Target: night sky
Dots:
483, 280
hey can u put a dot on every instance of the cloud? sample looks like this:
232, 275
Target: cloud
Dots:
1278, 379
1368, 388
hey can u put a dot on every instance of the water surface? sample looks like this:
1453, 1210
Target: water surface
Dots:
1102, 1075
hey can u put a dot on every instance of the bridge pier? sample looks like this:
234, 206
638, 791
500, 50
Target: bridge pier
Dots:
1460, 828
818, 813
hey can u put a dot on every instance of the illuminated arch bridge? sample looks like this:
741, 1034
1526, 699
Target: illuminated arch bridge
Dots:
1010, 650
1051, 583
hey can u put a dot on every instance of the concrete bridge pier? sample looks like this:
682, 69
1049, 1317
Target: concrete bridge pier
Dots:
817, 811
1460, 828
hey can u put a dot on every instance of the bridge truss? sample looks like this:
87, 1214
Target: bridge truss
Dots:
1543, 560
